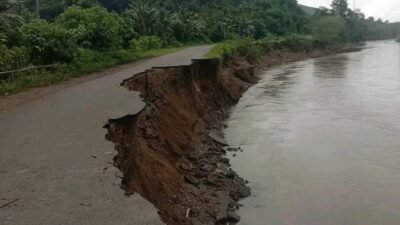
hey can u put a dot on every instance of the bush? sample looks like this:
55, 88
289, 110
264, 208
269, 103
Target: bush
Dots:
269, 43
88, 60
14, 58
146, 43
245, 47
48, 43
329, 29
297, 42
32, 78
251, 49
10, 30
94, 28
291, 42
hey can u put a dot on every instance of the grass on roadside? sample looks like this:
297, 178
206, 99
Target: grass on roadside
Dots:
86, 62
251, 49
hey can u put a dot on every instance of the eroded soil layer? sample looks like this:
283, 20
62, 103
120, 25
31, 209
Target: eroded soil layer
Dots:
172, 151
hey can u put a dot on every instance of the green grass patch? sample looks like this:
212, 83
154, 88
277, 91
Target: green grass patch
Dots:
244, 47
89, 61
251, 49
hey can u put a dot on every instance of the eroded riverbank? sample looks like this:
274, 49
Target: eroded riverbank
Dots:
172, 152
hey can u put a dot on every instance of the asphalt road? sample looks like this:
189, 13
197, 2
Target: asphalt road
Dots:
55, 165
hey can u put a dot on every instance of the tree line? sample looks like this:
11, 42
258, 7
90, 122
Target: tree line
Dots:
85, 34
351, 26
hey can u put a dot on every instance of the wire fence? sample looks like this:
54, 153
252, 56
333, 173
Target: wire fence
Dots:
8, 74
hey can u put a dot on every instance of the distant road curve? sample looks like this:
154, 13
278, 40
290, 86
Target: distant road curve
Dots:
55, 165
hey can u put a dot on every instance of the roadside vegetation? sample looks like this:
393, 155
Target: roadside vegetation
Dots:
251, 49
327, 28
62, 39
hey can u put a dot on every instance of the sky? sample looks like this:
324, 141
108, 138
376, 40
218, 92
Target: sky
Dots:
384, 9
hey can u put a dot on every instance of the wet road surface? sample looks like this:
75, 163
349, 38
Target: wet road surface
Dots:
55, 165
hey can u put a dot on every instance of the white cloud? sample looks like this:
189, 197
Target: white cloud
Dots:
385, 9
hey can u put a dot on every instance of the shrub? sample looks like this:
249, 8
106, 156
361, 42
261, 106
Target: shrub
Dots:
32, 78
245, 47
88, 60
94, 28
3, 39
146, 43
14, 58
48, 43
250, 48
216, 33
290, 42
10, 30
269, 43
328, 29
297, 42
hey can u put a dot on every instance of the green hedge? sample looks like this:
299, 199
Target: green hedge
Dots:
13, 58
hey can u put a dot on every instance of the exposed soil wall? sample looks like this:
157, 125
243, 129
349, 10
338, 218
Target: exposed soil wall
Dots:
172, 151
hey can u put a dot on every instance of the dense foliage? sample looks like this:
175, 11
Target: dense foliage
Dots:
86, 35
329, 29
351, 26
93, 28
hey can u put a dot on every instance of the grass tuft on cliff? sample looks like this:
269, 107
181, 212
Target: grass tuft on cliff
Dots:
251, 49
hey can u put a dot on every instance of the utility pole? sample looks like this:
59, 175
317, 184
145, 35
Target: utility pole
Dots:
37, 9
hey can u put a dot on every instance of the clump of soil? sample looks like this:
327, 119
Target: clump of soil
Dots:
172, 152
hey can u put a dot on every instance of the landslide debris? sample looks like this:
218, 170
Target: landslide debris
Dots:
172, 151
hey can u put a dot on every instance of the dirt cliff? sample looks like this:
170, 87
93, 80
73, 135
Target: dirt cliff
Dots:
172, 151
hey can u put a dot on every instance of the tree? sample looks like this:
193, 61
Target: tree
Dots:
10, 24
322, 11
329, 29
5, 5
94, 28
143, 15
81, 3
48, 43
46, 9
187, 27
115, 5
340, 7
355, 25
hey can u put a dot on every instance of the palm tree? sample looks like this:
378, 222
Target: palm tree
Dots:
163, 25
144, 14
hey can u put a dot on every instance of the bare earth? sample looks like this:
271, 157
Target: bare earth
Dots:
55, 165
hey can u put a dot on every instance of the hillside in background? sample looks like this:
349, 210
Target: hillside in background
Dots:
309, 10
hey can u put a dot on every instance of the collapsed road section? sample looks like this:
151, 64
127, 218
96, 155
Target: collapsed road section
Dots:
171, 152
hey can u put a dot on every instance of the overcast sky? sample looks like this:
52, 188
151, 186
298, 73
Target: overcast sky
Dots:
385, 9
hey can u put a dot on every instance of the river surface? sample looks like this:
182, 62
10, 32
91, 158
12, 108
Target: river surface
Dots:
321, 141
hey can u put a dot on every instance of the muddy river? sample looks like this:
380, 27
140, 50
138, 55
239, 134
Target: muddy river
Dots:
321, 141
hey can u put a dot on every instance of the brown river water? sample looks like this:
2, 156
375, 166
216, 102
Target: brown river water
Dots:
321, 141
